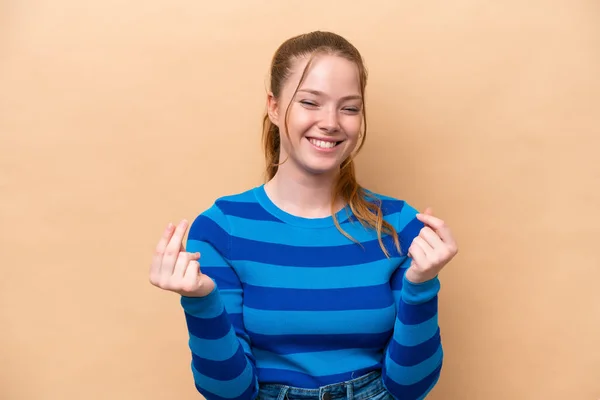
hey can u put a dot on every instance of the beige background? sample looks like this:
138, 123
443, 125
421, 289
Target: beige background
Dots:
118, 117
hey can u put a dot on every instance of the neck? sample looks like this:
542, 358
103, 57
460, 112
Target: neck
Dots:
302, 194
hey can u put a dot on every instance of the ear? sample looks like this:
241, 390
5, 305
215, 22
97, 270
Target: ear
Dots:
272, 109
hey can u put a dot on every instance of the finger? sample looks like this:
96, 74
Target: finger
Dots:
430, 220
417, 254
423, 245
175, 245
431, 238
160, 248
191, 275
182, 262
438, 225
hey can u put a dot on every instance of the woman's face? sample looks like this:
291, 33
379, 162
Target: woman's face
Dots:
325, 115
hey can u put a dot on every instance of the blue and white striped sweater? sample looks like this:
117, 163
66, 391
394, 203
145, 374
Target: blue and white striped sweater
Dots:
300, 304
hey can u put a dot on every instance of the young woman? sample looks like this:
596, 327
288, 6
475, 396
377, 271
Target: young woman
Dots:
310, 286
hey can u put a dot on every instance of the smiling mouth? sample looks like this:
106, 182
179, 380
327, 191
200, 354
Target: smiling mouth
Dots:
323, 144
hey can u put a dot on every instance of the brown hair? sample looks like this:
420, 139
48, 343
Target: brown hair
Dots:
365, 207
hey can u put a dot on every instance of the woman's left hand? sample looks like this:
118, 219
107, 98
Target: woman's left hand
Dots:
431, 250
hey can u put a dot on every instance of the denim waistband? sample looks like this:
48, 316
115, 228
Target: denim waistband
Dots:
361, 388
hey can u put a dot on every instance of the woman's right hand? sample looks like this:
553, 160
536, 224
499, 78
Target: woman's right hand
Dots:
176, 270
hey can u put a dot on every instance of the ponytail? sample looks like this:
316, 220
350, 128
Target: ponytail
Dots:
271, 144
365, 207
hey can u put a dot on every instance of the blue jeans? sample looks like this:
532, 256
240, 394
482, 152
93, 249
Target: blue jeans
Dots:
366, 387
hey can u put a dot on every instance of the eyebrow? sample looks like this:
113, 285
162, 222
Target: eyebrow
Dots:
319, 93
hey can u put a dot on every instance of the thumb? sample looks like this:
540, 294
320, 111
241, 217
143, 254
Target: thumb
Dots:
428, 211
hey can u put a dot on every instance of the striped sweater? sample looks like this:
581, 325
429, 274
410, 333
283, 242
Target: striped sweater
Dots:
298, 303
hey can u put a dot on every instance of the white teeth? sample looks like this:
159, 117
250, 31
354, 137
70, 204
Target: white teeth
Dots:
323, 144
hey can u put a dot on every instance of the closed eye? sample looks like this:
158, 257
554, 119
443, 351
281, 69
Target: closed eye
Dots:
308, 103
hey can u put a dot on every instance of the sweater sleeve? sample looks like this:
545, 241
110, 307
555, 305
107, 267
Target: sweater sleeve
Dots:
223, 366
413, 358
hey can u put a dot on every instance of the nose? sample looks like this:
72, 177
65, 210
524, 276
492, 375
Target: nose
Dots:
329, 122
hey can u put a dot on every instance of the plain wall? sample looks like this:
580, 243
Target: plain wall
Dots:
118, 117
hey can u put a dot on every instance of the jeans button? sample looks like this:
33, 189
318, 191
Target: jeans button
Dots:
326, 396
